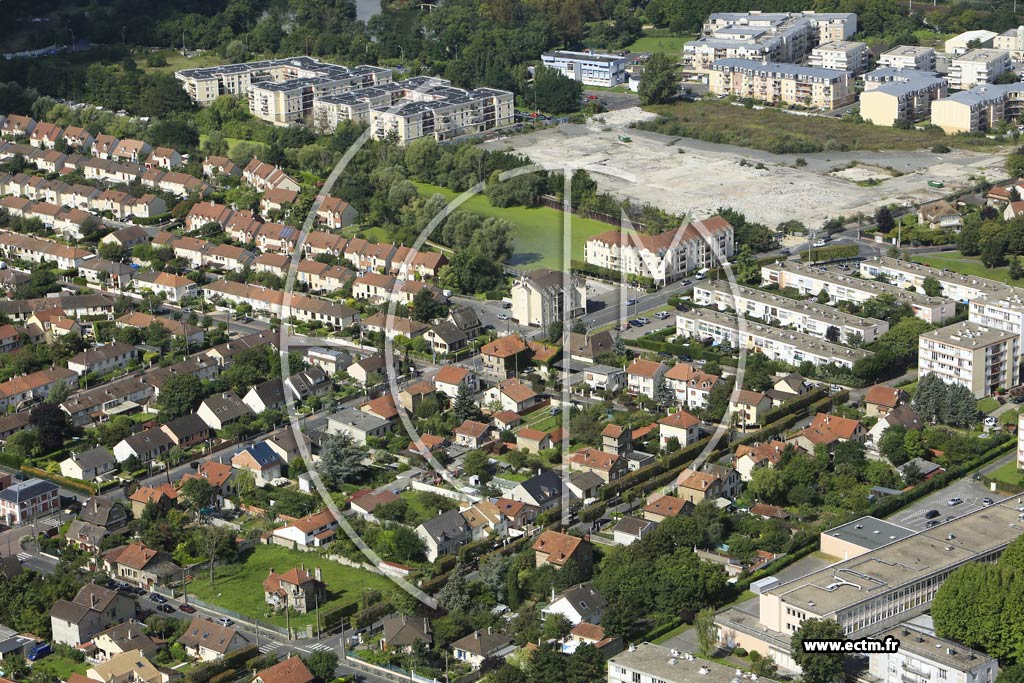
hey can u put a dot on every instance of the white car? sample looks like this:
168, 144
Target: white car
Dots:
990, 421
503, 316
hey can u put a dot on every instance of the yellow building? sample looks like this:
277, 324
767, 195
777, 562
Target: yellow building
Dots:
902, 95
781, 83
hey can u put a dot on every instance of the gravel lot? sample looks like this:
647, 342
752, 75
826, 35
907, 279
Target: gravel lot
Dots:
696, 178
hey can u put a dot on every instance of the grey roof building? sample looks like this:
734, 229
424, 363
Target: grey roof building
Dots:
444, 534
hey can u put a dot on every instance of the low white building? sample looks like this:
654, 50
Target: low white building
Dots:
928, 657
588, 68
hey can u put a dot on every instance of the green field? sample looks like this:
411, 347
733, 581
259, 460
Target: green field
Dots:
987, 404
776, 131
538, 241
239, 587
61, 667
1008, 474
968, 265
176, 61
232, 143
659, 40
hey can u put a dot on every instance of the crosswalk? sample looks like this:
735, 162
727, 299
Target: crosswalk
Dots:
321, 646
269, 646
23, 556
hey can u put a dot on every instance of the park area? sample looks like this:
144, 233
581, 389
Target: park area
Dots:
239, 587
968, 265
539, 230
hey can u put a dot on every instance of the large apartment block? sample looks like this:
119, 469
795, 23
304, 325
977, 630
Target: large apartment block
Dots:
894, 94
979, 109
978, 67
664, 257
280, 91
811, 280
983, 359
776, 343
444, 113
778, 83
909, 57
588, 68
924, 657
808, 317
765, 36
543, 296
894, 581
907, 274
844, 55
1012, 41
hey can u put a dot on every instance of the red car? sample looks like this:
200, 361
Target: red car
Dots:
187, 609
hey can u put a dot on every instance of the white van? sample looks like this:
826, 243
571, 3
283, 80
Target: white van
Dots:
701, 274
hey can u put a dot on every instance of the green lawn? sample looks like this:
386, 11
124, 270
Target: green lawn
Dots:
61, 667
176, 61
1008, 474
538, 230
987, 404
239, 587
233, 143
659, 40
426, 509
377, 234
544, 421
968, 265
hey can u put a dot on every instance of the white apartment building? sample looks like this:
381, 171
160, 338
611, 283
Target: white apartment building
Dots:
908, 274
808, 317
894, 94
539, 297
980, 358
1001, 312
286, 87
649, 663
588, 68
925, 657
777, 344
844, 55
664, 257
1020, 441
909, 57
810, 280
778, 83
1012, 41
444, 113
978, 67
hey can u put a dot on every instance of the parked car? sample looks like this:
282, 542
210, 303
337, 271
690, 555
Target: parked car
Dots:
985, 502
166, 609
931, 523
503, 316
157, 598
224, 621
187, 609
953, 502
931, 514
39, 651
555, 410
990, 421
661, 315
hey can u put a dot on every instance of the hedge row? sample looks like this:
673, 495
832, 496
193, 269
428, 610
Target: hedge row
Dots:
612, 275
206, 673
368, 616
682, 350
73, 484
833, 253
796, 404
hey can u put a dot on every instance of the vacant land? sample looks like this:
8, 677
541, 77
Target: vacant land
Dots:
968, 265
239, 587
176, 61
233, 143
776, 131
1008, 474
538, 241
659, 40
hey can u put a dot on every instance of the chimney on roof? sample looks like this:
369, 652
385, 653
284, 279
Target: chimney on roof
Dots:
316, 574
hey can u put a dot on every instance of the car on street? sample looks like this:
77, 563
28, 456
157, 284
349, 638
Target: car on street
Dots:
985, 502
954, 501
224, 621
503, 316
187, 609
157, 598
631, 302
166, 609
685, 283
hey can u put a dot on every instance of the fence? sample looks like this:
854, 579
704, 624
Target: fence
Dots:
242, 622
553, 202
391, 673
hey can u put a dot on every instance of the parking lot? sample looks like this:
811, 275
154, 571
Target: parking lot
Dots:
970, 491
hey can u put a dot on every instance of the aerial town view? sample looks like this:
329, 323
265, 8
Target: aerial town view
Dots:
512, 341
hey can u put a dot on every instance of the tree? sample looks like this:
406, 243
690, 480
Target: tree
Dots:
884, 219
52, 426
931, 286
214, 542
658, 84
197, 491
477, 464
554, 92
509, 673
747, 271
1008, 674
556, 626
707, 632
22, 444
180, 395
464, 406
818, 667
58, 393
893, 446
1016, 270
322, 664
341, 461
455, 596
426, 307
663, 394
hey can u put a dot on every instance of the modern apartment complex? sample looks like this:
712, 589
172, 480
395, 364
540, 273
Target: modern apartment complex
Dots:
775, 343
588, 68
810, 280
907, 274
909, 57
978, 67
1012, 41
874, 591
279, 90
664, 257
983, 359
765, 36
979, 109
893, 94
844, 55
649, 663
778, 83
539, 297
808, 317
925, 657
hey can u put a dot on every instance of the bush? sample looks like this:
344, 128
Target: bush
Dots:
740, 652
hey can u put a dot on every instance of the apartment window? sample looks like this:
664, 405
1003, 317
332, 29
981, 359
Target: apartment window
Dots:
636, 677
942, 674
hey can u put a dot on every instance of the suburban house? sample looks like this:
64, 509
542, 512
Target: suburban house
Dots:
24, 501
122, 638
660, 507
607, 466
472, 434
753, 457
445, 337
164, 496
290, 670
358, 424
402, 633
220, 410
709, 483
558, 549
628, 529
90, 465
939, 215
828, 430
259, 459
880, 399
748, 408
532, 440
218, 475
617, 439
578, 604
512, 395
604, 378
642, 376
93, 609
312, 531
450, 377
543, 491
142, 566
267, 395
681, 426
691, 385
505, 356
902, 416
186, 431
479, 645
207, 640
584, 348
444, 534
145, 446
296, 588
336, 213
